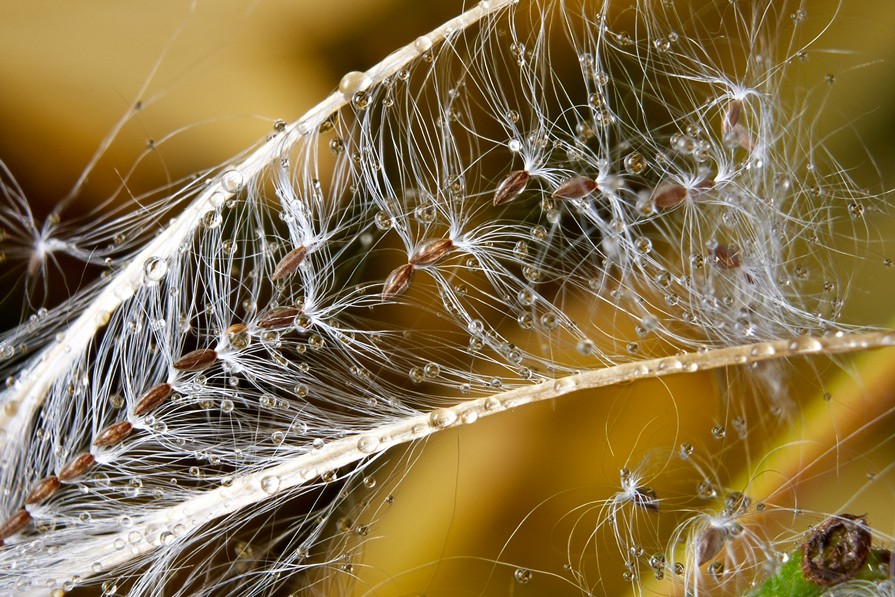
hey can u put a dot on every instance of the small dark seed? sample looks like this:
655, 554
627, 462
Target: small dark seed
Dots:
727, 257
669, 195
836, 550
152, 399
196, 360
15, 523
575, 188
113, 434
709, 544
431, 251
397, 282
289, 263
279, 318
511, 186
77, 467
44, 489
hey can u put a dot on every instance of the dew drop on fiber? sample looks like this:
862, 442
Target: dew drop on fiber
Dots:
154, 269
354, 82
270, 484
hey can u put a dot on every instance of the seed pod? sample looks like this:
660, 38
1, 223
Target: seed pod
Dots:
727, 257
44, 489
113, 434
77, 467
511, 186
196, 360
669, 195
431, 251
281, 317
578, 187
836, 550
152, 399
709, 544
397, 282
14, 523
289, 263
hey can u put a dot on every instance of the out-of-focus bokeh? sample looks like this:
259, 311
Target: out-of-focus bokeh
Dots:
479, 506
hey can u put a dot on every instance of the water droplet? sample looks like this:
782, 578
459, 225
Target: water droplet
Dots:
522, 575
232, 181
422, 44
212, 219
367, 444
154, 269
270, 484
442, 418
354, 82
635, 163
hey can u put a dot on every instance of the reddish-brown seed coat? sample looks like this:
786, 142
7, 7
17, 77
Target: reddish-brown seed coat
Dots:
279, 318
397, 281
77, 467
196, 360
113, 434
15, 523
511, 186
152, 399
44, 489
727, 257
578, 187
431, 251
669, 195
289, 263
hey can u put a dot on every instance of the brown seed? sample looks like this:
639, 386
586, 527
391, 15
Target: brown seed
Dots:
152, 399
700, 188
578, 187
511, 186
113, 434
669, 195
709, 544
15, 523
77, 467
731, 115
836, 550
397, 282
289, 263
196, 360
727, 257
431, 251
44, 489
281, 317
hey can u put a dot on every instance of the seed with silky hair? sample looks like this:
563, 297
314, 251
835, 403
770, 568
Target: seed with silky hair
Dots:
281, 317
196, 360
152, 399
397, 282
289, 263
431, 252
578, 187
511, 187
113, 434
44, 489
14, 524
77, 467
